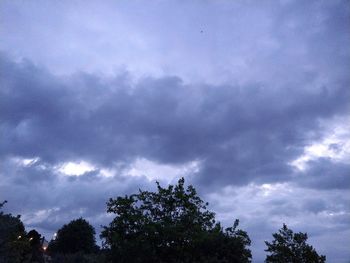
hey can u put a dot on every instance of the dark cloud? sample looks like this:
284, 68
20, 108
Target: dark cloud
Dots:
326, 174
241, 134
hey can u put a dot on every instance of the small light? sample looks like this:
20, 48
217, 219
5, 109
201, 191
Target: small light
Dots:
30, 239
19, 237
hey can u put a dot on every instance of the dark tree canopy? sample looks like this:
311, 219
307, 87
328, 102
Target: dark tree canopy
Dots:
288, 247
14, 246
171, 225
36, 246
77, 236
11, 227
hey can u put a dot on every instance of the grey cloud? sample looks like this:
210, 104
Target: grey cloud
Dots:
326, 174
47, 202
268, 41
262, 211
241, 134
315, 205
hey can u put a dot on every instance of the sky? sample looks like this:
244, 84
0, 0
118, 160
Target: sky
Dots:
249, 101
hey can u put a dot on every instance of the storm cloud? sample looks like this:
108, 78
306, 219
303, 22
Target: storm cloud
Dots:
252, 109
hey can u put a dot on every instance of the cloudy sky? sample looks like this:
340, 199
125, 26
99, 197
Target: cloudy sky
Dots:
248, 100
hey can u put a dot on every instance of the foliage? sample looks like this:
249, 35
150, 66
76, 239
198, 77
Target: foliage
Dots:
79, 257
77, 236
14, 245
36, 246
288, 247
171, 225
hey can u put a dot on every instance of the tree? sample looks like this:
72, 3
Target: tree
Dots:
170, 225
36, 246
14, 245
77, 236
288, 247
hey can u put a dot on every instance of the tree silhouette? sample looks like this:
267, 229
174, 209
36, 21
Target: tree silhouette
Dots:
171, 225
77, 236
288, 247
35, 244
14, 245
